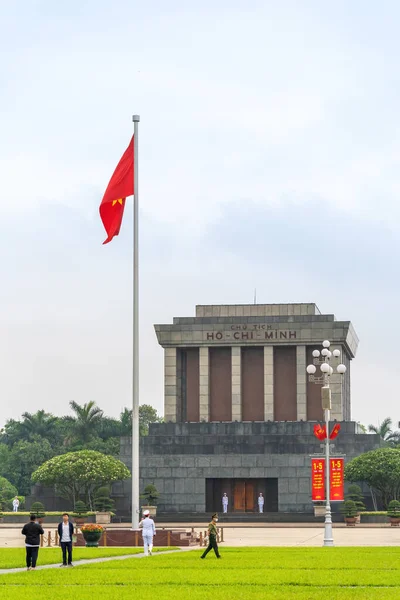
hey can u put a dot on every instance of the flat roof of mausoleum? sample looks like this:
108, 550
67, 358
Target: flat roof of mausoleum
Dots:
257, 324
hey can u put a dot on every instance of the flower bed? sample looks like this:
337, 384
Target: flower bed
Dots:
92, 527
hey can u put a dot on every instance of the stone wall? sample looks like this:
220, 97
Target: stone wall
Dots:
179, 457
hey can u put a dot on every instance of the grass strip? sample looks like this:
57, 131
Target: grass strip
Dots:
248, 573
12, 558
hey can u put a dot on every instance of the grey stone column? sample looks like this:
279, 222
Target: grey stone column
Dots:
301, 377
236, 384
336, 385
170, 385
268, 383
204, 374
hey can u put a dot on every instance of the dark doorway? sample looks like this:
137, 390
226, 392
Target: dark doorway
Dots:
242, 494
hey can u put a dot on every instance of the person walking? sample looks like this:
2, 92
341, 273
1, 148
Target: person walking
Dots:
65, 533
15, 504
225, 502
212, 537
148, 532
32, 532
260, 501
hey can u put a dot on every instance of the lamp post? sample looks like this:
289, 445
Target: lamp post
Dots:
323, 360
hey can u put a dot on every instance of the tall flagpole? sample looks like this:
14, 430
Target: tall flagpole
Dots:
135, 370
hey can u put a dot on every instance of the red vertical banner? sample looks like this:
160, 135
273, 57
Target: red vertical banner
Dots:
337, 479
318, 479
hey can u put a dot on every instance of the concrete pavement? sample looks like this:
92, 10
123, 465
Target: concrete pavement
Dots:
260, 535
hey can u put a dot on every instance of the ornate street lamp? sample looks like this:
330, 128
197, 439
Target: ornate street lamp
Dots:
322, 359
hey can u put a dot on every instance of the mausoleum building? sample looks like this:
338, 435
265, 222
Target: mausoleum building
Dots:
240, 410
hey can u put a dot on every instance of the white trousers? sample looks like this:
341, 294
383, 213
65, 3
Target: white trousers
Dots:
225, 508
148, 544
15, 508
261, 508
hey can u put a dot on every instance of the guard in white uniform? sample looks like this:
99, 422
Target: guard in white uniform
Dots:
225, 502
15, 504
149, 531
260, 503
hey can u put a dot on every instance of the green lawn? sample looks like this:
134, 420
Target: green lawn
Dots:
15, 557
242, 573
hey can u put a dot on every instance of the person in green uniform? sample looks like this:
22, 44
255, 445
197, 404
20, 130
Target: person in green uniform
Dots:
212, 536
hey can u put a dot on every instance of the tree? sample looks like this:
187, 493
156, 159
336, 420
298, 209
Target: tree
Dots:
110, 446
87, 419
4, 460
109, 428
25, 457
7, 491
40, 424
12, 432
385, 431
380, 469
80, 474
126, 422
147, 415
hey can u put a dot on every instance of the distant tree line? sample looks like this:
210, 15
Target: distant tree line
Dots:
27, 443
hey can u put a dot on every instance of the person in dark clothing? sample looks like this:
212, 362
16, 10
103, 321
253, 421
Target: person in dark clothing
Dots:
65, 533
32, 532
212, 536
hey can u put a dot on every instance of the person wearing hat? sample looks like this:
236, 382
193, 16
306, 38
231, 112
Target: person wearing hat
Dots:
148, 532
225, 501
212, 536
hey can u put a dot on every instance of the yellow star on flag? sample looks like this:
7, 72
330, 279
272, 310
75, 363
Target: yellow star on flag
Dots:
114, 202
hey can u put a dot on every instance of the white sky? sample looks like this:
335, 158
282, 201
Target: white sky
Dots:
269, 158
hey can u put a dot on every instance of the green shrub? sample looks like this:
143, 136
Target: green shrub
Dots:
8, 506
394, 509
80, 508
374, 513
349, 509
37, 509
103, 504
102, 500
50, 514
354, 493
103, 491
150, 494
7, 492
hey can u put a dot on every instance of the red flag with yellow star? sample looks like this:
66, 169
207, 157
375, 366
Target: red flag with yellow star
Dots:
120, 186
320, 431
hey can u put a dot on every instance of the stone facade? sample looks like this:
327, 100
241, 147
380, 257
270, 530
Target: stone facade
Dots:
179, 457
268, 326
240, 409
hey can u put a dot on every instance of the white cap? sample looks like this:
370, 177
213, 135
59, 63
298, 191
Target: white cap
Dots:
146, 513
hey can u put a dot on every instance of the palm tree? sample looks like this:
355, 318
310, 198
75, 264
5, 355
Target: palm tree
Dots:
386, 432
87, 419
40, 423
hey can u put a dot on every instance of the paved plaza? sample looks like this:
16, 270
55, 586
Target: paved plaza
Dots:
260, 535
